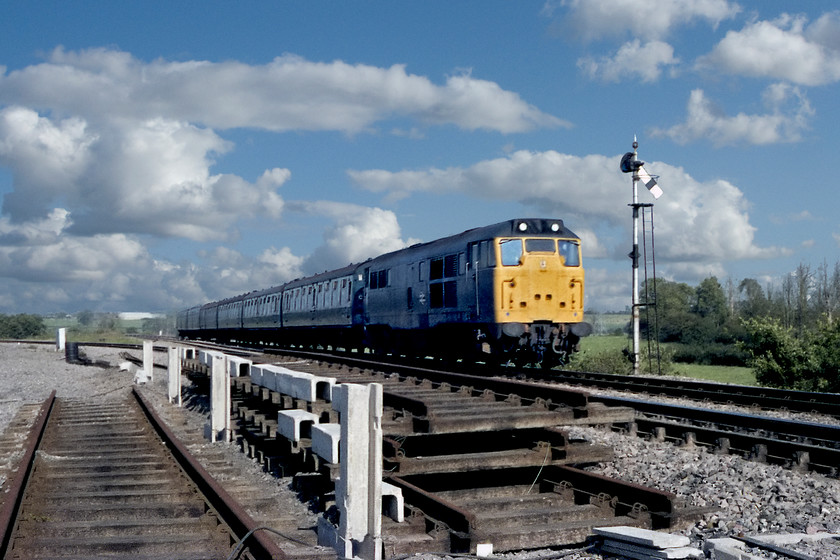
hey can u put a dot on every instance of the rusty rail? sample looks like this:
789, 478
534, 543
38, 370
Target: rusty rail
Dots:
17, 484
232, 513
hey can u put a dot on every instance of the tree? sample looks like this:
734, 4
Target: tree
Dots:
710, 301
108, 321
827, 292
672, 305
85, 318
21, 326
753, 303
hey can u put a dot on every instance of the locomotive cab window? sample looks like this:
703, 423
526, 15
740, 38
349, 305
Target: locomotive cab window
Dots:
570, 251
511, 251
540, 245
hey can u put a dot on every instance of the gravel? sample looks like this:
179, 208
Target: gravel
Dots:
745, 498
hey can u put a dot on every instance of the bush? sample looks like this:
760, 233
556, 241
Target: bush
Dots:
780, 359
711, 354
620, 362
21, 326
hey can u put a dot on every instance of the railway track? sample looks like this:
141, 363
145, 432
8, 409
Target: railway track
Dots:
796, 444
96, 480
473, 464
760, 398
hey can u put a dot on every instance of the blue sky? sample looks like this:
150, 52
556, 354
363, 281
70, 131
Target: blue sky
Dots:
155, 155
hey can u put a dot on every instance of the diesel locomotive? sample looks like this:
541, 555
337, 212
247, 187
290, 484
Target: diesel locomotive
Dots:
511, 291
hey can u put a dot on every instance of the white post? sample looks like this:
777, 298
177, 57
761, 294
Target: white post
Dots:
359, 488
219, 398
149, 360
60, 338
635, 256
175, 375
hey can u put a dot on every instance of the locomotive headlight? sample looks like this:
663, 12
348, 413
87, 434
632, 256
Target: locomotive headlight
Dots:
523, 226
555, 227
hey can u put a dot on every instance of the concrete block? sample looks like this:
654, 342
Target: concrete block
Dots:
728, 549
289, 423
393, 504
783, 539
239, 366
258, 374
644, 537
205, 357
304, 386
627, 550
484, 550
129, 367
325, 441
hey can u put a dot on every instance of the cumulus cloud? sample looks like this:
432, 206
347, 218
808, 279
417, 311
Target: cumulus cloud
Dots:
595, 19
783, 49
357, 234
288, 93
148, 177
788, 115
583, 191
228, 272
632, 61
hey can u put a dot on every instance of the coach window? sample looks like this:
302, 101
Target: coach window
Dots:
570, 251
511, 251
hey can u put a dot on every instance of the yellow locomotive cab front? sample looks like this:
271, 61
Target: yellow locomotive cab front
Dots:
540, 280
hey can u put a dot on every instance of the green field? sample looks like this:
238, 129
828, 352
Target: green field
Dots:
120, 332
616, 343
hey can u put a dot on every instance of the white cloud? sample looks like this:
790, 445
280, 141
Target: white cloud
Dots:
358, 233
228, 272
788, 115
586, 193
632, 61
783, 49
127, 146
288, 93
653, 19
129, 176
44, 155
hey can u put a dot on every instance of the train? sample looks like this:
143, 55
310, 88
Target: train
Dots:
511, 292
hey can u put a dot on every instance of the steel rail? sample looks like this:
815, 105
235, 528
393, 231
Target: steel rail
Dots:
17, 485
232, 513
745, 395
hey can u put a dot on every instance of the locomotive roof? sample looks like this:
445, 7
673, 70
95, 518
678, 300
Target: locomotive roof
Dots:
520, 227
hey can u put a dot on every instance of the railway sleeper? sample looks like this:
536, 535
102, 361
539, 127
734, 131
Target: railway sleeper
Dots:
422, 453
519, 508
